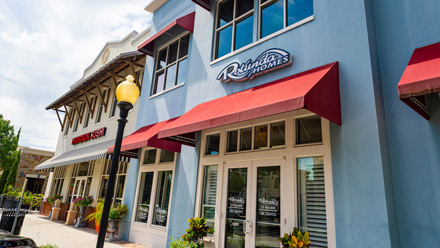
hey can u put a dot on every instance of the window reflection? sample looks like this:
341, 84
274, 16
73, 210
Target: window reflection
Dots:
272, 18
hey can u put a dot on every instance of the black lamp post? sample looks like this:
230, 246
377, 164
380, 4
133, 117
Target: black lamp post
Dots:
127, 93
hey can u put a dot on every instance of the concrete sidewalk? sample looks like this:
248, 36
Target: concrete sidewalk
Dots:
43, 231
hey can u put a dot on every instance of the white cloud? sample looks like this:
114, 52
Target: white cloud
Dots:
45, 47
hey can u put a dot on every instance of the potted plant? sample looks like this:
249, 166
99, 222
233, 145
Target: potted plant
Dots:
96, 216
198, 229
82, 203
12, 195
114, 217
36, 201
295, 239
51, 200
27, 200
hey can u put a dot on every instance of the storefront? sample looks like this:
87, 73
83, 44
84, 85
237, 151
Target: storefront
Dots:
287, 115
81, 163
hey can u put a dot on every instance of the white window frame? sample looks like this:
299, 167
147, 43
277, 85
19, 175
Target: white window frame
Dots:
149, 228
101, 107
122, 165
89, 113
154, 91
290, 153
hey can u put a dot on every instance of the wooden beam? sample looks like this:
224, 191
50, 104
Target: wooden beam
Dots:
114, 79
99, 91
138, 65
78, 110
68, 116
136, 80
119, 76
106, 102
59, 119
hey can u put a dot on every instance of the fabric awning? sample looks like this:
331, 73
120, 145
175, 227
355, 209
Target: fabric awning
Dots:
206, 4
84, 154
421, 77
186, 22
316, 90
147, 136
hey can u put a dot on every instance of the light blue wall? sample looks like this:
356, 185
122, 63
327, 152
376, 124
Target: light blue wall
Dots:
129, 194
414, 143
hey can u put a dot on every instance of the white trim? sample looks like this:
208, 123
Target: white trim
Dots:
167, 90
279, 32
289, 154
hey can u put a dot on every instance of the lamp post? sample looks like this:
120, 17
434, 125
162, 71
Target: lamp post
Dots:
127, 93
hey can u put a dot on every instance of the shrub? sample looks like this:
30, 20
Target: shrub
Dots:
49, 246
83, 202
180, 243
295, 239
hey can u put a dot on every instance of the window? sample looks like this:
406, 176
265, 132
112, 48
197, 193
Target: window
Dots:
144, 196
311, 199
209, 193
257, 137
89, 113
171, 65
83, 169
234, 26
150, 156
120, 181
153, 206
114, 104
67, 122
308, 130
58, 180
75, 127
212, 144
166, 156
162, 198
101, 108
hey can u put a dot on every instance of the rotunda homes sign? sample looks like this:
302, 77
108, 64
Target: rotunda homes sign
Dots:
89, 136
269, 60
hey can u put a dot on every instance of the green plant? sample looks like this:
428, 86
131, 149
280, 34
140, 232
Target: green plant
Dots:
52, 199
37, 199
117, 212
198, 229
83, 202
180, 243
12, 192
96, 216
295, 239
49, 246
27, 198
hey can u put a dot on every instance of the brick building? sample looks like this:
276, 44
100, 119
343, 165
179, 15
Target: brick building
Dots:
29, 158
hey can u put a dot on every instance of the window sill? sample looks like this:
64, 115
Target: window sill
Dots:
308, 144
282, 31
257, 150
168, 90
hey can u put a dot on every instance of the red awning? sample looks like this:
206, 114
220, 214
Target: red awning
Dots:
186, 22
316, 90
206, 4
147, 136
421, 77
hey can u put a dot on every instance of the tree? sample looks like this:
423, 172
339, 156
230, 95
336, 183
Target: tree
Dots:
8, 149
13, 169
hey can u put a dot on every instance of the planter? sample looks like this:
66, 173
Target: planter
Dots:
80, 222
112, 228
10, 203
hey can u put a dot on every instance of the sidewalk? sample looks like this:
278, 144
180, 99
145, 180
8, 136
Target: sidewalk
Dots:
43, 231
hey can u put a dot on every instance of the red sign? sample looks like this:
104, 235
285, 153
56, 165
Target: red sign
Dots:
88, 136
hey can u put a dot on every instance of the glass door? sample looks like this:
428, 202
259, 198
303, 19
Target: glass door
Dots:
252, 201
79, 188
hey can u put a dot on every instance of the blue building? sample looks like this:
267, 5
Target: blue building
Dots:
263, 115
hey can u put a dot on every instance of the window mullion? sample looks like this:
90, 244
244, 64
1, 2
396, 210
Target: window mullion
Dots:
233, 26
166, 69
177, 60
285, 13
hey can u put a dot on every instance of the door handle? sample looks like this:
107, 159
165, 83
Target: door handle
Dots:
247, 227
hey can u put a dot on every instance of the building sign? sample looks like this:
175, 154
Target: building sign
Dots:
89, 136
236, 205
268, 207
268, 61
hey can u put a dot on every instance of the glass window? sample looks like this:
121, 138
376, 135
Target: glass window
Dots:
212, 144
234, 17
114, 104
209, 194
143, 204
308, 130
89, 113
67, 122
166, 156
311, 199
245, 139
277, 134
271, 18
101, 108
83, 169
260, 140
75, 127
150, 156
171, 65
298, 10
120, 181
162, 200
232, 141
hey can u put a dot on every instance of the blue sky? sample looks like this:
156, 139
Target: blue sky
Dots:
45, 46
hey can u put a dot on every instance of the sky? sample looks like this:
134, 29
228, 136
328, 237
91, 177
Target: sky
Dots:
45, 46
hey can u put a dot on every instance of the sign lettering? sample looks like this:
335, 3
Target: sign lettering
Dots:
88, 136
269, 60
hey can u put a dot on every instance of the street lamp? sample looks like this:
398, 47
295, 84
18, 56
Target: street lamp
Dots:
127, 93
